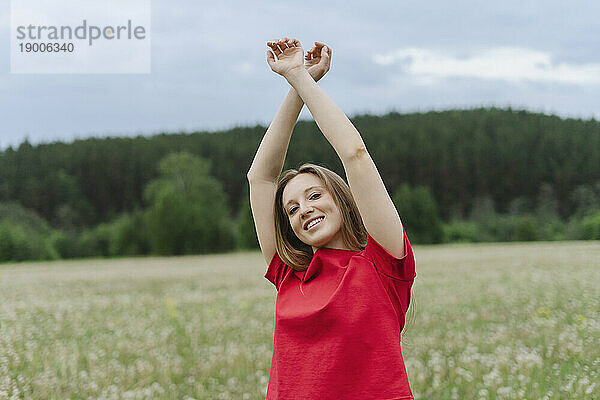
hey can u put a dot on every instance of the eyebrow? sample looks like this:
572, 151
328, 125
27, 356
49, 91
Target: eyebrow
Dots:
310, 188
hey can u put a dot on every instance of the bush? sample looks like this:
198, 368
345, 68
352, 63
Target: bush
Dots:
461, 231
494, 228
246, 231
129, 235
188, 211
525, 229
95, 242
552, 228
590, 227
25, 235
419, 214
65, 244
508, 228
13, 243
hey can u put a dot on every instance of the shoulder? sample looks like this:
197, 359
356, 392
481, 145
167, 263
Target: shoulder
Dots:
277, 271
398, 268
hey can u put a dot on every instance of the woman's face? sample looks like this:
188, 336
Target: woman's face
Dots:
305, 200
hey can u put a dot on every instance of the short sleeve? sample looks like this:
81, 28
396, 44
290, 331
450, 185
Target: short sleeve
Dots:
397, 268
276, 271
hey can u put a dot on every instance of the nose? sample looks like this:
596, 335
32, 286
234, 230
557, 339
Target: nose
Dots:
305, 210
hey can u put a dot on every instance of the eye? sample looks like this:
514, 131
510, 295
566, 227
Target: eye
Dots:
315, 196
292, 210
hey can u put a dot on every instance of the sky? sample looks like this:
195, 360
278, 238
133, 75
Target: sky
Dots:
209, 69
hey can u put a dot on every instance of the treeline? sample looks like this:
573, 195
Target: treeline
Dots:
484, 174
186, 213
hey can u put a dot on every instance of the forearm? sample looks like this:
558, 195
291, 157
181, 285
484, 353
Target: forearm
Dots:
270, 156
332, 121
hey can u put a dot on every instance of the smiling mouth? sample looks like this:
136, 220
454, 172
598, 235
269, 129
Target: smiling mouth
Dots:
314, 223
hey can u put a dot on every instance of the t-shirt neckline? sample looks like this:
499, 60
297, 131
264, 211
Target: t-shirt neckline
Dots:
332, 248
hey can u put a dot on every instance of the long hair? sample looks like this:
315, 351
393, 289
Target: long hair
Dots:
292, 250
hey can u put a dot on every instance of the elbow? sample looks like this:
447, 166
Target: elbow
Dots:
252, 172
254, 177
358, 154
250, 175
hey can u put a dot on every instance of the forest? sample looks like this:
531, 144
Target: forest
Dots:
472, 175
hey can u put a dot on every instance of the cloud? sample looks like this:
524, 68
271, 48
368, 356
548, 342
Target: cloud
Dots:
511, 64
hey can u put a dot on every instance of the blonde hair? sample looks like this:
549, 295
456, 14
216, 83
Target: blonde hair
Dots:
292, 250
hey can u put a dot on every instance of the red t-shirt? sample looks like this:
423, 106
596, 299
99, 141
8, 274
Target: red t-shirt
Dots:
339, 337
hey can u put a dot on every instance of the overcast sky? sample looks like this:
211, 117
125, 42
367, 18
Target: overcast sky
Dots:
209, 67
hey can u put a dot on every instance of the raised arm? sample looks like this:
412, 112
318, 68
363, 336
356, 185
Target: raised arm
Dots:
270, 156
379, 215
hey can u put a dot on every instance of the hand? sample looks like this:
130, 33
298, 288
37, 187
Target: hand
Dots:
318, 60
289, 56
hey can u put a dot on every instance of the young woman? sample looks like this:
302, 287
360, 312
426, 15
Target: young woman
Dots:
336, 253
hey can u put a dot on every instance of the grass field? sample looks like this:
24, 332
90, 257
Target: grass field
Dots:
500, 321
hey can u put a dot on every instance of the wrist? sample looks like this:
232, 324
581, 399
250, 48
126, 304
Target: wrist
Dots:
316, 77
296, 73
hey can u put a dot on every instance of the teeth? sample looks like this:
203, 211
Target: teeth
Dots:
316, 221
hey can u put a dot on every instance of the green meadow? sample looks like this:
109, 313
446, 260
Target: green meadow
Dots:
487, 321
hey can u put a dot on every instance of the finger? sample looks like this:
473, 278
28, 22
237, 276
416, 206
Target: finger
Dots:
270, 58
277, 43
318, 46
281, 44
275, 48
